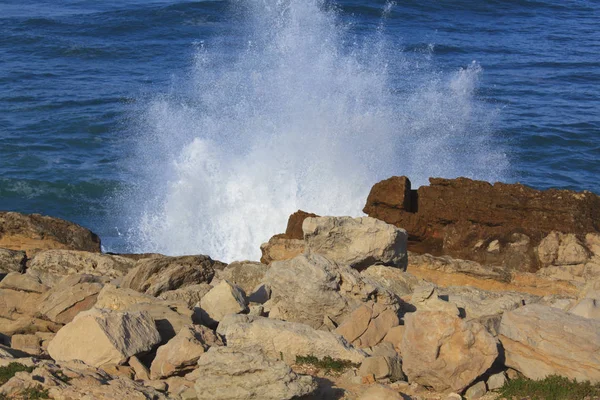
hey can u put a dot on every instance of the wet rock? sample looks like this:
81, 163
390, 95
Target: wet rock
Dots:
99, 337
442, 351
540, 341
499, 224
154, 276
357, 242
34, 232
226, 373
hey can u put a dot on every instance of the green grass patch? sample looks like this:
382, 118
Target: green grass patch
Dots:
10, 370
553, 387
326, 363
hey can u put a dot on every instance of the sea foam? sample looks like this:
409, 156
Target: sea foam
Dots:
302, 112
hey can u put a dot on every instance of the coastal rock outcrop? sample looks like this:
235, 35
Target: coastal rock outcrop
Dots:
35, 232
499, 224
539, 341
12, 261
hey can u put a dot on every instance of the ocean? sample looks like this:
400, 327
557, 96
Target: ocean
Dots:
197, 127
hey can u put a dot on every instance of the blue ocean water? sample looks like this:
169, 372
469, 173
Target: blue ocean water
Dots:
182, 126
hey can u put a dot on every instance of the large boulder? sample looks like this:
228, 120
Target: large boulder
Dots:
395, 280
245, 274
229, 374
170, 316
19, 297
368, 324
154, 276
73, 294
280, 248
12, 261
539, 341
442, 351
52, 265
35, 232
281, 339
190, 295
99, 337
225, 298
357, 242
316, 291
500, 224
181, 353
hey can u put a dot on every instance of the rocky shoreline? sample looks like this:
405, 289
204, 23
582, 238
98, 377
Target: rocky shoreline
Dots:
446, 291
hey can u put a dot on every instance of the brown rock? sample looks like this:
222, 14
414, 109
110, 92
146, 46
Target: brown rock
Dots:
498, 224
279, 248
294, 226
35, 232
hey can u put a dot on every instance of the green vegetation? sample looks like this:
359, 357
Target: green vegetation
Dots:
34, 394
10, 370
327, 363
551, 388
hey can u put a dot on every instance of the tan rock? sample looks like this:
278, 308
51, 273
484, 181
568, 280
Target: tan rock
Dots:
357, 242
12, 261
27, 324
118, 370
284, 339
280, 249
394, 336
540, 341
476, 391
36, 232
73, 294
141, 371
561, 249
426, 298
99, 337
587, 308
52, 265
225, 298
393, 279
190, 295
232, 374
380, 392
497, 381
442, 351
245, 274
154, 276
451, 265
30, 344
181, 353
19, 297
368, 325
170, 317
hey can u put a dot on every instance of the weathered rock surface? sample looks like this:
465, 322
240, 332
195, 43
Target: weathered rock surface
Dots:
357, 242
368, 324
314, 290
498, 224
456, 266
442, 351
288, 339
51, 265
226, 373
426, 298
72, 295
225, 298
99, 337
190, 295
154, 276
541, 341
19, 297
245, 274
380, 392
393, 279
181, 353
170, 317
35, 232
12, 261
279, 248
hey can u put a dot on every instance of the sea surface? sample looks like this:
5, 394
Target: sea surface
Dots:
198, 126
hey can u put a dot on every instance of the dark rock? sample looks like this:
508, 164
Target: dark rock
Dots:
294, 226
499, 224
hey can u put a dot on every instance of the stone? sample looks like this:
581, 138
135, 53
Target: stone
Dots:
25, 324
181, 353
34, 232
394, 336
225, 298
281, 339
231, 374
587, 308
457, 266
368, 325
382, 367
12, 261
72, 295
118, 370
561, 249
99, 337
191, 295
261, 294
395, 280
540, 341
357, 242
497, 381
154, 276
462, 218
19, 297
30, 344
279, 248
443, 351
169, 317
247, 275
313, 290
426, 298
380, 392
52, 265
141, 371
476, 391
294, 225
